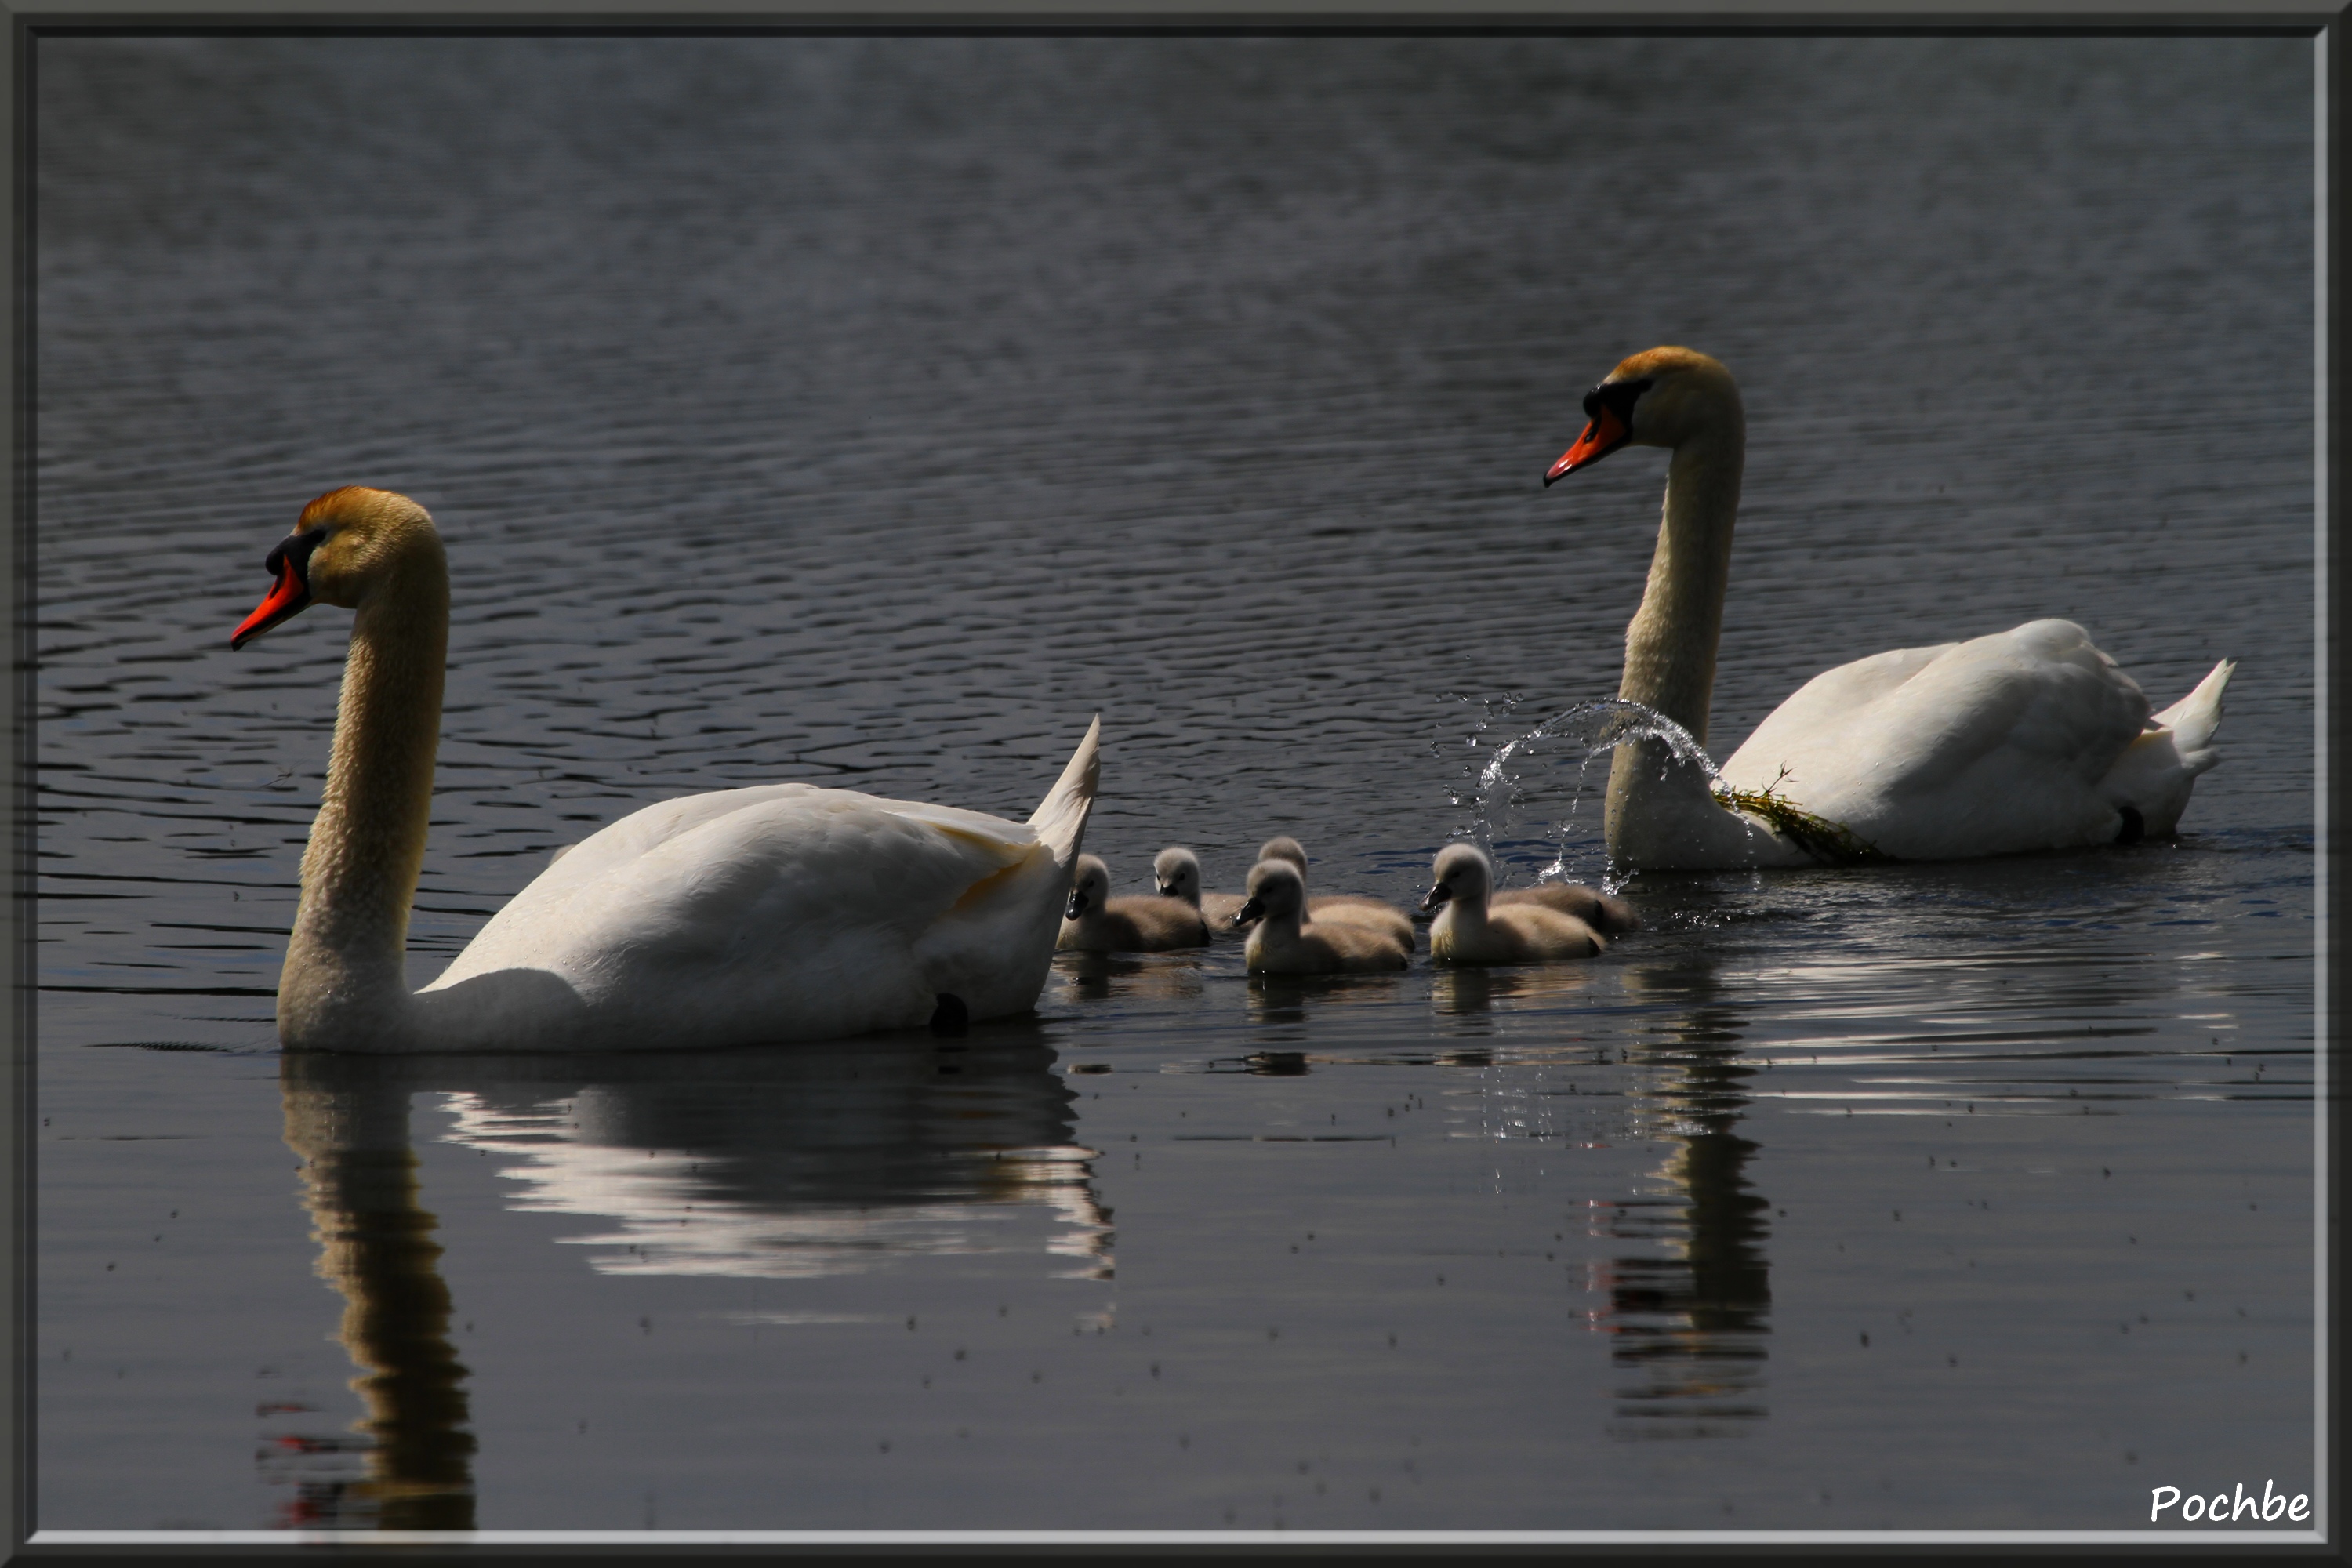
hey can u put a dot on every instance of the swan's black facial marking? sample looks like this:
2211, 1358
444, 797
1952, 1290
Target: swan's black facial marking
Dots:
294, 551
951, 1016
2135, 827
1617, 396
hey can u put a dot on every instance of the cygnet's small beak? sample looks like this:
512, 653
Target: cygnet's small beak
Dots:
1076, 905
1602, 435
1440, 894
1248, 912
1167, 890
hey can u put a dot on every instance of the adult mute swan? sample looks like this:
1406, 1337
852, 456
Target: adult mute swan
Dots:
2030, 738
780, 911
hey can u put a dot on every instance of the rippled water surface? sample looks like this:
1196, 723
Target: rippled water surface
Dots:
874, 411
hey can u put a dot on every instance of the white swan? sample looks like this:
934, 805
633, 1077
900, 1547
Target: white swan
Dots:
1285, 942
1094, 922
2030, 738
1176, 872
780, 911
1468, 930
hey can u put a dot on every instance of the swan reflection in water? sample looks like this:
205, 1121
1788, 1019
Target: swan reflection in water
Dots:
1690, 1318
1689, 1313
793, 1161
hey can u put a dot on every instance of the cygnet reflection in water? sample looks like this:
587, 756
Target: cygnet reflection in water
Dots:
1465, 990
1279, 1001
1108, 976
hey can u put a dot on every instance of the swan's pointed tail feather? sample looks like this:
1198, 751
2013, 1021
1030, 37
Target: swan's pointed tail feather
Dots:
1060, 819
2154, 776
2194, 718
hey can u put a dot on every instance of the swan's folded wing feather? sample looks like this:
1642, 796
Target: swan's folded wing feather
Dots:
1993, 744
801, 906
617, 843
1822, 706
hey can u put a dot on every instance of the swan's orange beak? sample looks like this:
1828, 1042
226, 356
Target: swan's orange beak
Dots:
290, 597
1603, 435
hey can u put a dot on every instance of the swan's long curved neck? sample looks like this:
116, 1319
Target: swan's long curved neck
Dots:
1670, 645
344, 980
1662, 811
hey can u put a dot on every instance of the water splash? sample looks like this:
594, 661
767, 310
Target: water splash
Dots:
1506, 788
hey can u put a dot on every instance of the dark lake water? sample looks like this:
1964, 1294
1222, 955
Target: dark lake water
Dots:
873, 411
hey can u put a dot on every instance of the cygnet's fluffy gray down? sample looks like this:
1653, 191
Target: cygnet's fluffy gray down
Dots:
1094, 922
1591, 905
1355, 909
1177, 870
1283, 942
1469, 931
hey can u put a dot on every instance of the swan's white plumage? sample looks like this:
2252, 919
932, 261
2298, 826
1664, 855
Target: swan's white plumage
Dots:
782, 910
2028, 738
777, 911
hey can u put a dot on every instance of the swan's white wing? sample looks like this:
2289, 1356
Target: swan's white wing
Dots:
1820, 705
617, 843
782, 910
1977, 748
